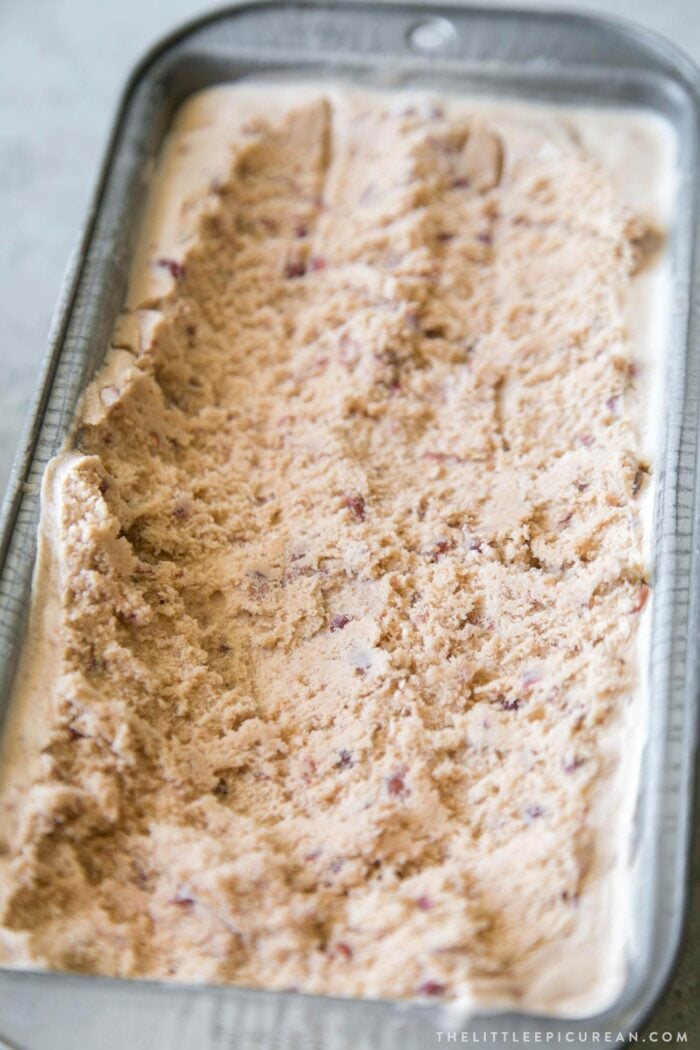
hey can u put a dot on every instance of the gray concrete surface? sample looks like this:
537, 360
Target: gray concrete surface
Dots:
62, 65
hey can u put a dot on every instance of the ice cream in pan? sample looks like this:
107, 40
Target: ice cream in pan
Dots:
335, 646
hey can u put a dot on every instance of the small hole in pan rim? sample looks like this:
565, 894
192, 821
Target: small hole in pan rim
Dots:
431, 36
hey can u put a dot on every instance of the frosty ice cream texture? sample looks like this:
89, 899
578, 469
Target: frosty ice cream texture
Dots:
346, 568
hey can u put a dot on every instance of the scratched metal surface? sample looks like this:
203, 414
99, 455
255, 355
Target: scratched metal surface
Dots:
500, 53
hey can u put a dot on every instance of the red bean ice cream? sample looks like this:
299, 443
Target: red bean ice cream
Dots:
335, 631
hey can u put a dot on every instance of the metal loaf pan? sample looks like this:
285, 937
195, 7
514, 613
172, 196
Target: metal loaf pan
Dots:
504, 53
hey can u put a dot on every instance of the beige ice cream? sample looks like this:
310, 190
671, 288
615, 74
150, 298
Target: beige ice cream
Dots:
333, 647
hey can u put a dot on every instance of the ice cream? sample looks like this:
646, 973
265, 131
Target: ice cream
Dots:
335, 635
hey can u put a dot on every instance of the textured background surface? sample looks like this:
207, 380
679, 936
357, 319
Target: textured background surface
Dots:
62, 66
